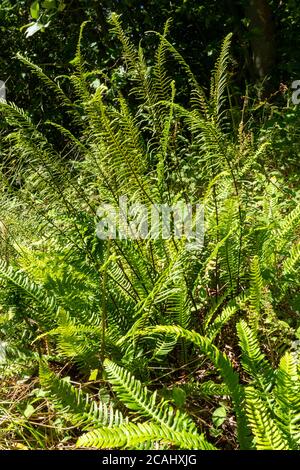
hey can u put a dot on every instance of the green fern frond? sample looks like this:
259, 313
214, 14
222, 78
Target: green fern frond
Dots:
80, 408
198, 95
220, 321
223, 365
164, 345
210, 389
219, 78
63, 98
287, 227
161, 79
68, 134
287, 395
256, 286
290, 263
137, 398
34, 291
254, 362
267, 434
132, 435
129, 50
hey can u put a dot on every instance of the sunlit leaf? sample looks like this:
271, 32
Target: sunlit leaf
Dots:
219, 416
35, 10
29, 411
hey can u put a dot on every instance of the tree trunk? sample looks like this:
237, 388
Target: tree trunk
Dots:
262, 36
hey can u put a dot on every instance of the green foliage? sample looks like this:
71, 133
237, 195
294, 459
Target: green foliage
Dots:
271, 414
80, 409
138, 311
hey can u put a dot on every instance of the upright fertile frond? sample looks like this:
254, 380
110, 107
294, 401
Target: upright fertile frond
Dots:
256, 284
78, 57
219, 78
162, 81
79, 78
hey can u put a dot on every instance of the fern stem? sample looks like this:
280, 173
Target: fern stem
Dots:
104, 305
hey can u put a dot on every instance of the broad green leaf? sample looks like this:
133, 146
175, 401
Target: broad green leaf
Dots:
93, 375
29, 411
35, 10
219, 416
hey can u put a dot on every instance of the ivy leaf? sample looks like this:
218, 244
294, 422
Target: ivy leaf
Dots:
35, 10
29, 411
219, 416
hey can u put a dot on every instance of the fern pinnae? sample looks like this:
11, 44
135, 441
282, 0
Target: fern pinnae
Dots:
267, 434
70, 107
253, 360
291, 262
220, 321
223, 365
33, 290
133, 434
219, 79
256, 286
137, 397
162, 81
287, 396
82, 411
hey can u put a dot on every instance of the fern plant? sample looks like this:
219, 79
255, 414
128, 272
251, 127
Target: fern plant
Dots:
266, 408
82, 299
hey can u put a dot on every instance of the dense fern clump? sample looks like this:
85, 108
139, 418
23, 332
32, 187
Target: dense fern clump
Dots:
114, 312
